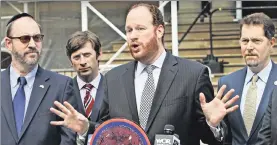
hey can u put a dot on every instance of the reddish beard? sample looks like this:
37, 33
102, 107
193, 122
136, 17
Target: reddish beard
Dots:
147, 51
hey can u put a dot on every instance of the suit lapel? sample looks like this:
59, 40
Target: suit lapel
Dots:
98, 101
128, 82
6, 102
265, 98
40, 87
238, 86
167, 75
78, 96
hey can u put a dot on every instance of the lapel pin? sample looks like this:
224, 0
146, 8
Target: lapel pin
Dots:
41, 86
275, 83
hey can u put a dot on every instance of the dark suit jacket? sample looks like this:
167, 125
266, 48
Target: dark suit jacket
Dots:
268, 133
98, 99
237, 134
176, 100
36, 129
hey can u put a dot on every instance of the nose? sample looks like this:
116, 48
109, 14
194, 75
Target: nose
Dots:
133, 35
250, 46
32, 43
83, 61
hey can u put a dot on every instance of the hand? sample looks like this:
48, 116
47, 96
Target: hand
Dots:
215, 110
72, 118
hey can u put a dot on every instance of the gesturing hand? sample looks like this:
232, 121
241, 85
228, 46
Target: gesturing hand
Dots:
215, 110
72, 118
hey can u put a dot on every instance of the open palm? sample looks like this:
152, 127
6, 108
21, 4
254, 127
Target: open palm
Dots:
216, 110
72, 118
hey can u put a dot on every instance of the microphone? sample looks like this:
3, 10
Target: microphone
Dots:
168, 138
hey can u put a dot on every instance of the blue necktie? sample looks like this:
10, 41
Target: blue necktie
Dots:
19, 104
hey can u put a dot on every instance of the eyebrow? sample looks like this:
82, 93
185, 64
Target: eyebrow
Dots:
251, 38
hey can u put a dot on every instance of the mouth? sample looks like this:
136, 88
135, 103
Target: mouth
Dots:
83, 69
31, 54
251, 56
135, 47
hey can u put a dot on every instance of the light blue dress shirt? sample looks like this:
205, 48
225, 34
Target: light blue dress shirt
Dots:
261, 83
30, 78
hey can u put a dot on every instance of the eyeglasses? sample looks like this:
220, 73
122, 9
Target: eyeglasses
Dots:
27, 38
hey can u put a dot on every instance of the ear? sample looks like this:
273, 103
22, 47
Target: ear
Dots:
100, 54
272, 43
8, 43
160, 31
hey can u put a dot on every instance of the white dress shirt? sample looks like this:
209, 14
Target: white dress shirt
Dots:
261, 83
141, 77
95, 82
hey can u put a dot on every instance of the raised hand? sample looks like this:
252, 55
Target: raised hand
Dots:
72, 118
216, 110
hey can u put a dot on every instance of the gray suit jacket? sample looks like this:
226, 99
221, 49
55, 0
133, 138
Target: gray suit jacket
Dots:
36, 129
237, 134
176, 100
268, 133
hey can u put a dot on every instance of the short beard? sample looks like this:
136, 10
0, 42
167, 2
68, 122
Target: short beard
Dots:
252, 63
22, 60
152, 45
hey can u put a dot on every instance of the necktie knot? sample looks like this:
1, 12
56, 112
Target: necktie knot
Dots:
149, 69
88, 87
254, 79
22, 81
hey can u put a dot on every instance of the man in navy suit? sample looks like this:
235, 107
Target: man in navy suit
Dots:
28, 91
268, 132
84, 50
255, 82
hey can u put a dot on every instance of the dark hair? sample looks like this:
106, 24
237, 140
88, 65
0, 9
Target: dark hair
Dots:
260, 19
78, 39
155, 12
14, 18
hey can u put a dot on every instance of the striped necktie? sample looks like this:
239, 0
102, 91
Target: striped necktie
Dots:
88, 100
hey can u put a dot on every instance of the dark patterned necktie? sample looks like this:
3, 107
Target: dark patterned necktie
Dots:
147, 96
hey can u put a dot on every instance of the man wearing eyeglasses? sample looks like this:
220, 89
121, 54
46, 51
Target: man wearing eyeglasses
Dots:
28, 91
255, 82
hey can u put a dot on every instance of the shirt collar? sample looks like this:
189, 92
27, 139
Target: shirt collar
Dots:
30, 77
158, 63
95, 82
263, 74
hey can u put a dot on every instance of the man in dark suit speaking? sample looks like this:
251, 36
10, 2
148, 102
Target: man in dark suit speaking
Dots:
28, 91
158, 88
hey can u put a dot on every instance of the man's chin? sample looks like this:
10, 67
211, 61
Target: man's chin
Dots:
31, 62
252, 64
136, 56
85, 73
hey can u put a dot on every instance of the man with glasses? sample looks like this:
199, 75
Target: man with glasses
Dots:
255, 82
28, 91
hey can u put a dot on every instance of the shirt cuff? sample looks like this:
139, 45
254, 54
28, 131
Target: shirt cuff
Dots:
81, 138
216, 131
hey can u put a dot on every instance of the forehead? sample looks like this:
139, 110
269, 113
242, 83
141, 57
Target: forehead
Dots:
85, 49
140, 16
252, 31
25, 25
